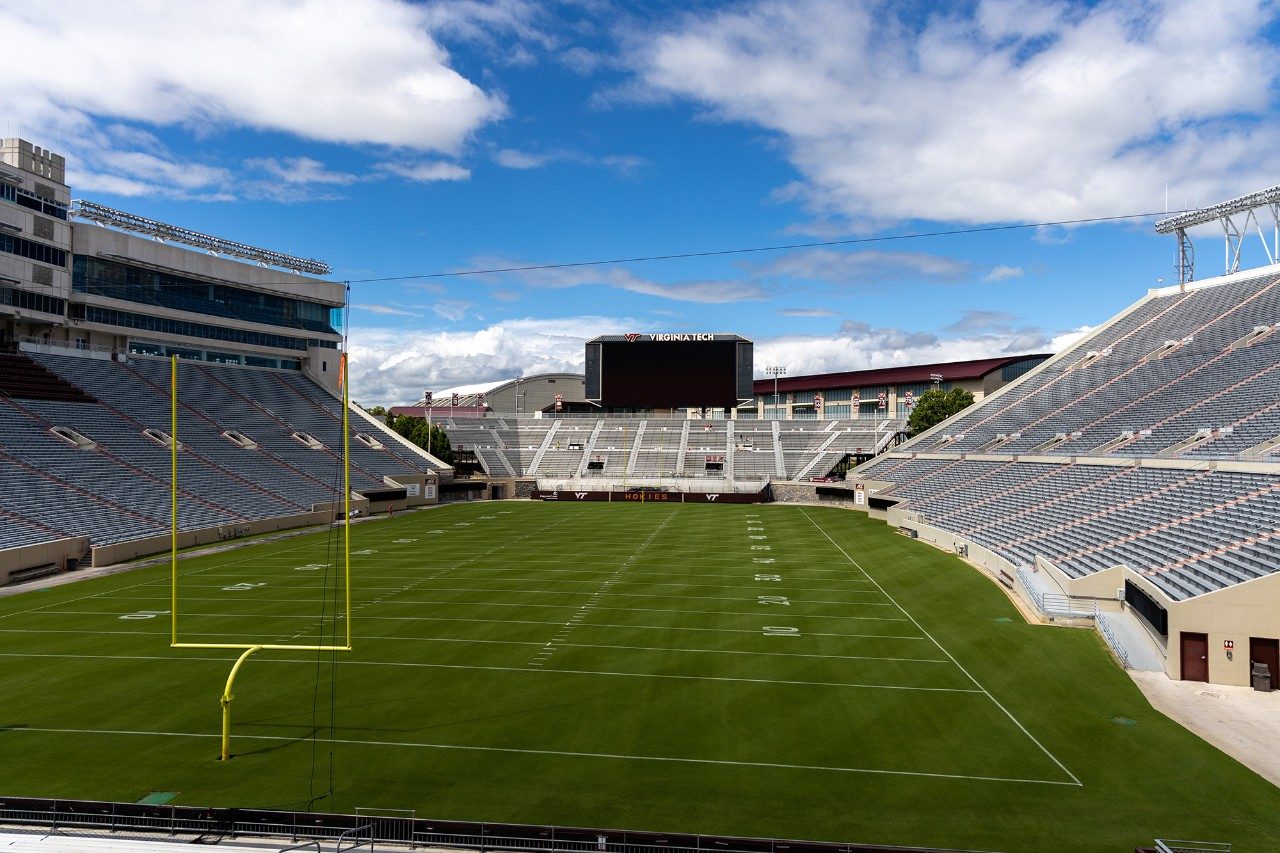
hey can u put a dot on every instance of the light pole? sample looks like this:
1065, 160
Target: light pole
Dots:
775, 372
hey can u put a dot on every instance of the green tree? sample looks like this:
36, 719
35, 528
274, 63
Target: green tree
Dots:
935, 406
426, 435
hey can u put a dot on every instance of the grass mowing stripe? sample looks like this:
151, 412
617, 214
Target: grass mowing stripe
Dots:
557, 752
608, 673
966, 672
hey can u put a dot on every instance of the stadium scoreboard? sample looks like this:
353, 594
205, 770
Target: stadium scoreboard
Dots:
668, 371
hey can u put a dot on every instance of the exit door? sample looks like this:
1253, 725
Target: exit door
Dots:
1195, 657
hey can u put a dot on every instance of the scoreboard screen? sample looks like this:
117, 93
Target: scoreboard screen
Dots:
667, 371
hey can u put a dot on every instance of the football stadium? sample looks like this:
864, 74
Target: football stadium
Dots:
660, 605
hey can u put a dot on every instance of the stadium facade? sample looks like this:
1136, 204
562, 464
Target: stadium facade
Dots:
66, 282
93, 303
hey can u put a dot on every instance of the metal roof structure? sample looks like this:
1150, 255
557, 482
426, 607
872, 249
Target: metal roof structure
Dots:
951, 371
165, 233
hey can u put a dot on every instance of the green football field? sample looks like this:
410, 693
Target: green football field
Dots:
765, 670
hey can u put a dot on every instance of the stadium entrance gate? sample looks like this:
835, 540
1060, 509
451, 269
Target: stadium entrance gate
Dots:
1195, 657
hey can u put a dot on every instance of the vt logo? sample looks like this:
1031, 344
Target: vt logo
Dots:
580, 495
632, 337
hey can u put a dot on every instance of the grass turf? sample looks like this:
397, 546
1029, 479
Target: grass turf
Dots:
628, 666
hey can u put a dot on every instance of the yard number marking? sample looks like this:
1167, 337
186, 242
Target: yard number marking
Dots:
780, 631
311, 567
768, 577
763, 560
761, 547
242, 587
757, 537
773, 599
405, 541
366, 552
145, 614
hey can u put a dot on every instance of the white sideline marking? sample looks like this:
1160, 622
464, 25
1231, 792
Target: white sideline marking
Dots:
556, 752
1074, 779
610, 673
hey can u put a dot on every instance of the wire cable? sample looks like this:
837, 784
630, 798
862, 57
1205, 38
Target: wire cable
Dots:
782, 247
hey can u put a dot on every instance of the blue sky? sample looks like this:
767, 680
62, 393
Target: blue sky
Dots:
392, 138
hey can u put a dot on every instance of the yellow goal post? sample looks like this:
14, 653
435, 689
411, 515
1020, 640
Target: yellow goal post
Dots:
249, 648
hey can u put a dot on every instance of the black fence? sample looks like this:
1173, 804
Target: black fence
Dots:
86, 817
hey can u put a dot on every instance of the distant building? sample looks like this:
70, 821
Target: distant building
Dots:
856, 393
524, 396
146, 287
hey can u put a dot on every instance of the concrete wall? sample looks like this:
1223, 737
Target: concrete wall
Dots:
42, 553
106, 555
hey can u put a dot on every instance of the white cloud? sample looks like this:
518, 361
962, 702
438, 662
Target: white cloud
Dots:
347, 71
300, 170
858, 346
386, 310
1014, 110
864, 268
1001, 272
509, 158
427, 171
393, 366
343, 71
704, 291
807, 312
451, 309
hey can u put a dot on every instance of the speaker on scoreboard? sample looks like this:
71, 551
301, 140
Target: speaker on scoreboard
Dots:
593, 360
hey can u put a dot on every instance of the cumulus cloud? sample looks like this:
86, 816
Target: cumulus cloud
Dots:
859, 346
343, 71
393, 366
1006, 110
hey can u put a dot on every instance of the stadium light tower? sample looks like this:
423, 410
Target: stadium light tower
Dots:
775, 372
1234, 232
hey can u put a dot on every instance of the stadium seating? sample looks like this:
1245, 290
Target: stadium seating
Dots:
631, 449
107, 474
1150, 444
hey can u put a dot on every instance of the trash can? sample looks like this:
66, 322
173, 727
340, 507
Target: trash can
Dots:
1261, 677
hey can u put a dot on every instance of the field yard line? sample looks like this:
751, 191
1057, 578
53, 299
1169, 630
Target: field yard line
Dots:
417, 665
461, 619
557, 752
757, 654
525, 564
502, 604
121, 589
1006, 711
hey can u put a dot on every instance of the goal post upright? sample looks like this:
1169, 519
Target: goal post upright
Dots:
248, 648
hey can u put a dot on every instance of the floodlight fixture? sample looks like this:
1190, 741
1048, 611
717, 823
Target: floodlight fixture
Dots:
163, 232
1234, 234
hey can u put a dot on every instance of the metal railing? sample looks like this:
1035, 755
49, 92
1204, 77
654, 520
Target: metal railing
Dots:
306, 829
1108, 634
1056, 604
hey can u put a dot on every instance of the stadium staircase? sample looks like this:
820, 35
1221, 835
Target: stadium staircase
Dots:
542, 450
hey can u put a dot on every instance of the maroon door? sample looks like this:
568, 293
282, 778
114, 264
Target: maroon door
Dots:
1195, 657
1263, 650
